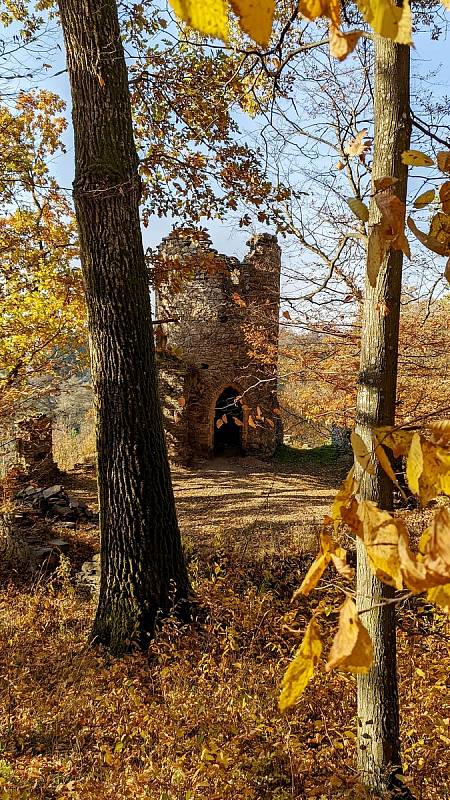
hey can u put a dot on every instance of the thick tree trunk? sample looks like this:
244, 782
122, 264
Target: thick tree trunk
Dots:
143, 570
378, 709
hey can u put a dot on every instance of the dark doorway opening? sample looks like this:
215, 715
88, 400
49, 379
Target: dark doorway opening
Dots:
228, 424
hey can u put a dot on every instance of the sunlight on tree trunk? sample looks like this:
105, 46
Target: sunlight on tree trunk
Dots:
143, 570
378, 710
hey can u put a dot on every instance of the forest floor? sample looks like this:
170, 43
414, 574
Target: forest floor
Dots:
196, 716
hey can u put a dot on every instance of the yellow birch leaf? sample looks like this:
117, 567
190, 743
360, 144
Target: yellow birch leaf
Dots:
443, 161
317, 568
437, 550
209, 17
439, 432
424, 199
251, 421
341, 45
415, 158
301, 669
435, 473
313, 576
343, 497
352, 649
387, 19
312, 9
362, 454
381, 537
255, 20
440, 595
414, 464
359, 208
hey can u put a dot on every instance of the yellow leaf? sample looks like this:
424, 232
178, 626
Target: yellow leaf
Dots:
436, 472
339, 559
219, 423
432, 567
415, 158
301, 669
443, 161
362, 454
109, 758
209, 17
359, 208
447, 270
256, 21
352, 649
424, 199
312, 9
387, 19
386, 465
414, 464
251, 421
341, 45
343, 497
313, 576
397, 439
440, 432
381, 537
440, 595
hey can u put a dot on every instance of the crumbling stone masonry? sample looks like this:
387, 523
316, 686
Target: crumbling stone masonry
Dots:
33, 444
217, 355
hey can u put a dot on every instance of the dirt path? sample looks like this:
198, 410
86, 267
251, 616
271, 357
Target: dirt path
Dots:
247, 503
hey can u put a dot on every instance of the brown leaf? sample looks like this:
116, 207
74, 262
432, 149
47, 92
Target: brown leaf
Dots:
444, 197
301, 668
427, 240
384, 183
356, 146
443, 161
352, 649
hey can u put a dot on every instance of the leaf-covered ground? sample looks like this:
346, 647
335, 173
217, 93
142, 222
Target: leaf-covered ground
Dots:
197, 716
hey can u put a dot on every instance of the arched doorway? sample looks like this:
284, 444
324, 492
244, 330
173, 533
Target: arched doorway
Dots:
228, 424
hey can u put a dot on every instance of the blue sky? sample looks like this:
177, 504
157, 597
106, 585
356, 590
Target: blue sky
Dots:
228, 238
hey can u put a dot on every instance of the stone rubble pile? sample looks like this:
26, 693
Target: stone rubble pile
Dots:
51, 503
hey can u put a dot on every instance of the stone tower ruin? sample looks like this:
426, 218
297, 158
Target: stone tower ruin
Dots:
217, 346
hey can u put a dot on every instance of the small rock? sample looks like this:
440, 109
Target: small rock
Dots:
52, 491
59, 544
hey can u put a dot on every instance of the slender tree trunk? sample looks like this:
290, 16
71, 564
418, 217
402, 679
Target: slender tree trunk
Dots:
378, 708
143, 570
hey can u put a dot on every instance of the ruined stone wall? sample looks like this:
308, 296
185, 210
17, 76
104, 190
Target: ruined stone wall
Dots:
218, 307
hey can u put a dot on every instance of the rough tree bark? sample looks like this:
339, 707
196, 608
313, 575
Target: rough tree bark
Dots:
143, 571
378, 709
